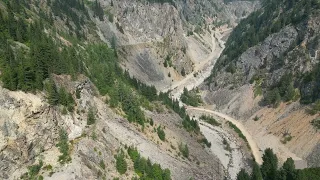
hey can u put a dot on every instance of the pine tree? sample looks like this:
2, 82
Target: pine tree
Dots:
269, 165
243, 175
91, 119
289, 169
53, 96
256, 173
121, 163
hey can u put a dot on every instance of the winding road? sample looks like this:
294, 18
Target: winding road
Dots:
190, 82
253, 145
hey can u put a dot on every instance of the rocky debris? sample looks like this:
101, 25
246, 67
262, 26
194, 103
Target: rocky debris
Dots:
269, 61
256, 58
314, 157
147, 34
27, 137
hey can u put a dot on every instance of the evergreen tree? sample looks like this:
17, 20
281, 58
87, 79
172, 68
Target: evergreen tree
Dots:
289, 169
256, 173
269, 165
121, 163
243, 175
53, 96
91, 119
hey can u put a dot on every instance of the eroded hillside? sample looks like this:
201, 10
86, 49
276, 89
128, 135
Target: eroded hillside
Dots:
160, 43
267, 77
31, 129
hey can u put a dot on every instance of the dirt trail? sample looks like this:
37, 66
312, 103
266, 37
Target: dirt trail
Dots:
254, 147
203, 68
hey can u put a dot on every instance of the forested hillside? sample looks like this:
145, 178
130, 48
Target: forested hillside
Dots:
268, 77
271, 19
271, 170
42, 40
30, 54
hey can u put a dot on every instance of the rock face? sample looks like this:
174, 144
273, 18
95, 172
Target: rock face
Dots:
263, 56
149, 34
261, 68
30, 131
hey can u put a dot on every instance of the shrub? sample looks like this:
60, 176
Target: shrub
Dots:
210, 120
34, 170
316, 123
161, 133
206, 142
91, 117
184, 150
63, 146
78, 95
102, 165
151, 122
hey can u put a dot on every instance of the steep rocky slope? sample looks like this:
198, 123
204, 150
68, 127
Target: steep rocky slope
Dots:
30, 132
268, 72
60, 126
150, 35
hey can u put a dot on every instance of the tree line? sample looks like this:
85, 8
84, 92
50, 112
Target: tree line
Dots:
270, 170
28, 67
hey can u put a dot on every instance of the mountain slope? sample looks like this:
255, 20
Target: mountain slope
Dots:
68, 110
268, 71
155, 39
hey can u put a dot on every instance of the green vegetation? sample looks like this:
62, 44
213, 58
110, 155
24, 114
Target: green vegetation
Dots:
33, 172
269, 170
286, 139
102, 165
61, 97
316, 123
188, 123
63, 146
151, 122
238, 131
315, 108
256, 118
145, 169
284, 90
311, 173
161, 133
161, 1
184, 150
206, 142
98, 11
271, 18
226, 145
30, 67
91, 119
121, 163
167, 61
260, 24
190, 98
210, 120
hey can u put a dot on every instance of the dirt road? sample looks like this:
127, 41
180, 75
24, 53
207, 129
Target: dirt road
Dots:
254, 147
204, 67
